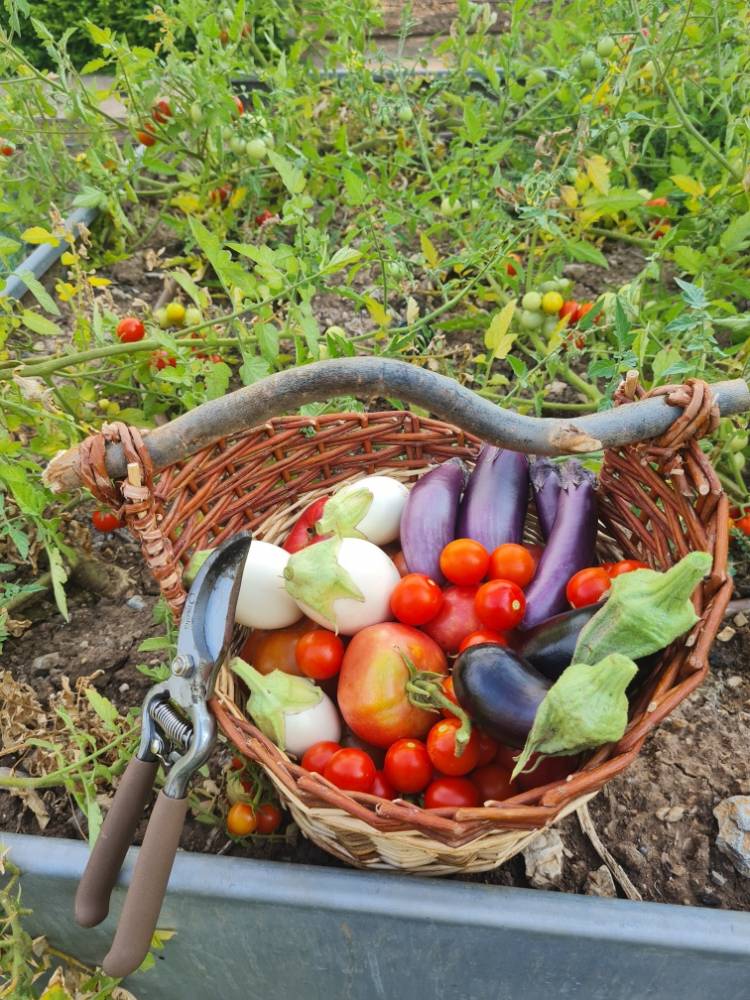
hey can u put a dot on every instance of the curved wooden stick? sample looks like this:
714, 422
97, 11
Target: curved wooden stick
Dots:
367, 378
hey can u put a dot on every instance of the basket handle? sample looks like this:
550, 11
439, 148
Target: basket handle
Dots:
365, 378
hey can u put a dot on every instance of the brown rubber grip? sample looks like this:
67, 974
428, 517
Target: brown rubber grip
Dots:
147, 887
115, 837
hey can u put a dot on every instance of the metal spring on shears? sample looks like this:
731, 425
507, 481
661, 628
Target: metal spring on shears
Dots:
175, 729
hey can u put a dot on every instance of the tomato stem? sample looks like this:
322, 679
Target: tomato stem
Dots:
424, 689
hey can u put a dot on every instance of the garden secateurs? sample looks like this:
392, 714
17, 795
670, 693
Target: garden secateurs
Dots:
178, 730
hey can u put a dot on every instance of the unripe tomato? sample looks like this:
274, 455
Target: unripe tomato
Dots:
193, 316
587, 60
605, 46
241, 820
587, 586
532, 301
196, 113
552, 303
405, 113
531, 320
550, 325
130, 330
175, 313
160, 315
237, 145
256, 150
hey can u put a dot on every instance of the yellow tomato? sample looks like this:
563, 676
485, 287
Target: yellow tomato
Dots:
552, 303
175, 313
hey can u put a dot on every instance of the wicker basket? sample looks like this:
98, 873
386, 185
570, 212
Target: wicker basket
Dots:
658, 500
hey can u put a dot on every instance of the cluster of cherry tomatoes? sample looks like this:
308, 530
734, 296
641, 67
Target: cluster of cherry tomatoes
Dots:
252, 813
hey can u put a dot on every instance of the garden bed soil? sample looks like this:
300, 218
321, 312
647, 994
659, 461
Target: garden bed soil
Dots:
656, 818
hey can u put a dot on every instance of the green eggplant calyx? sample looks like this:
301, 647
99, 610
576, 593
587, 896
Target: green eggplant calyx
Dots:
343, 512
583, 709
315, 577
274, 695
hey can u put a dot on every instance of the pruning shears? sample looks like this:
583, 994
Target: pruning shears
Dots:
178, 730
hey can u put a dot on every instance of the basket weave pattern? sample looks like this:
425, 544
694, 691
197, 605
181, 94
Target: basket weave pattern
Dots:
658, 500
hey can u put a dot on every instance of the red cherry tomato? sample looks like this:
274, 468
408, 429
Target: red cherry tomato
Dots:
743, 524
506, 757
407, 766
264, 217
569, 310
481, 638
509, 268
238, 104
455, 620
160, 359
625, 566
441, 746
269, 818
146, 135
464, 562
104, 520
6, 149
587, 586
237, 764
487, 749
583, 310
500, 604
513, 562
317, 756
657, 202
416, 599
221, 194
319, 654
493, 782
381, 786
447, 685
451, 792
350, 769
551, 769
241, 820
130, 329
161, 112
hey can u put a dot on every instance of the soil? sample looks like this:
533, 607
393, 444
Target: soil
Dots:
656, 819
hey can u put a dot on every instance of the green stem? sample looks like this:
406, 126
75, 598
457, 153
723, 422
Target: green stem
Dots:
615, 234
53, 779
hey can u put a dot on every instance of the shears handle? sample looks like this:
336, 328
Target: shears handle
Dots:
115, 837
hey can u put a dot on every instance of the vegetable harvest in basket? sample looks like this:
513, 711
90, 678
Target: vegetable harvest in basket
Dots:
406, 641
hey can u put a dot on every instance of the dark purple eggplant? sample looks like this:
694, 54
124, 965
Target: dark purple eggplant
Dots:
428, 522
571, 545
549, 646
500, 691
494, 505
545, 483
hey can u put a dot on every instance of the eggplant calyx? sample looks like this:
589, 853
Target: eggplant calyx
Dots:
424, 690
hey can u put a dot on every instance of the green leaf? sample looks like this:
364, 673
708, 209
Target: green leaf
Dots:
268, 341
101, 36
688, 259
292, 177
155, 643
40, 324
217, 380
586, 253
8, 246
737, 234
253, 369
355, 188
198, 295
93, 66
376, 311
90, 197
519, 366
229, 271
315, 577
104, 709
472, 122
428, 249
39, 292
662, 360
343, 257
496, 337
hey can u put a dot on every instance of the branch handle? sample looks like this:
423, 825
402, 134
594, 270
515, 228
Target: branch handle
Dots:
368, 378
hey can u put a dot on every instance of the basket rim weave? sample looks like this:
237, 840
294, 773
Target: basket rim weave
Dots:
669, 481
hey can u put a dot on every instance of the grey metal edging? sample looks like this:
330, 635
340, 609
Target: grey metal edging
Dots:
44, 256
274, 930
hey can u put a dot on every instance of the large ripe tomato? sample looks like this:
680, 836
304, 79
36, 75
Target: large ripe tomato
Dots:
319, 654
276, 649
372, 684
493, 782
441, 747
408, 766
464, 562
416, 599
317, 756
350, 769
455, 620
500, 604
450, 694
587, 586
455, 792
513, 562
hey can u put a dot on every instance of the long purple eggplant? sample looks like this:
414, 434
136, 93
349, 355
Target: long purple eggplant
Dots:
494, 505
428, 522
570, 546
545, 483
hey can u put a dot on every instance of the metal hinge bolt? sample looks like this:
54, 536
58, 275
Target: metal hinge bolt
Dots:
183, 665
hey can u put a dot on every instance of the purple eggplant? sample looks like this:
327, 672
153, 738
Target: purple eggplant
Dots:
500, 691
545, 483
570, 546
494, 505
428, 522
